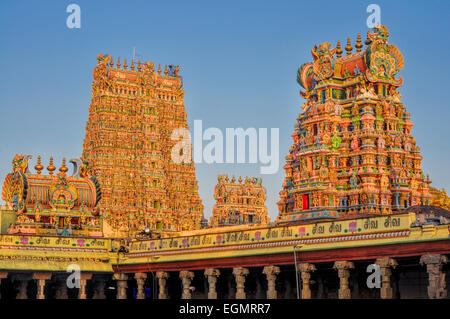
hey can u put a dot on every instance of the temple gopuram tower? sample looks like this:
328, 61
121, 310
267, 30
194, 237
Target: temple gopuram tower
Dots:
128, 146
239, 202
353, 152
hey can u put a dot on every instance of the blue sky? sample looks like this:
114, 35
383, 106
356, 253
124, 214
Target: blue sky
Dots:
238, 59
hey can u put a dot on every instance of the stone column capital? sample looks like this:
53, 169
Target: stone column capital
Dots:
271, 270
120, 277
85, 276
433, 259
305, 267
185, 274
140, 276
339, 265
212, 272
162, 275
240, 271
386, 262
42, 275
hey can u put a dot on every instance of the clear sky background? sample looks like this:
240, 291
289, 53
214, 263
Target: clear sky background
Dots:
238, 59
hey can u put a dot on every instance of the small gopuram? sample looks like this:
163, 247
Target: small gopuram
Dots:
353, 152
129, 143
53, 204
237, 203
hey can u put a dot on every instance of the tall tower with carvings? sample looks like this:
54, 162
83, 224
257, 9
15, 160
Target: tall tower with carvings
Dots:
353, 152
128, 144
239, 202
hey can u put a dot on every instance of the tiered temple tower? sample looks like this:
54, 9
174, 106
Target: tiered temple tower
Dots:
353, 152
237, 203
128, 145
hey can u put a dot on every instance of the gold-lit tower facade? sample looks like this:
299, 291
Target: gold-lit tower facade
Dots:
128, 146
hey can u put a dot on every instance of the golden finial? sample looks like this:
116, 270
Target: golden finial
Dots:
39, 166
338, 49
240, 180
348, 48
125, 64
111, 62
132, 64
50, 167
233, 179
358, 44
165, 70
118, 62
159, 68
368, 41
139, 65
63, 168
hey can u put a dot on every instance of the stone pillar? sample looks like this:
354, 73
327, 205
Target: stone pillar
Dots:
41, 278
186, 278
343, 268
84, 277
121, 285
239, 275
212, 275
22, 294
305, 271
436, 277
271, 273
3, 275
386, 265
99, 288
162, 280
140, 280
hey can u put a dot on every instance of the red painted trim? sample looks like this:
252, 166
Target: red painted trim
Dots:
354, 253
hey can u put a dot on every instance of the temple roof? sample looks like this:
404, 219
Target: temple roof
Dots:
429, 210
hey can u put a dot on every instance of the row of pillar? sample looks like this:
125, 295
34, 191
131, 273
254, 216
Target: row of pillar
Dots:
434, 265
42, 278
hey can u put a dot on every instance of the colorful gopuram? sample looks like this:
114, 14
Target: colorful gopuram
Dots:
239, 202
353, 151
128, 145
53, 204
